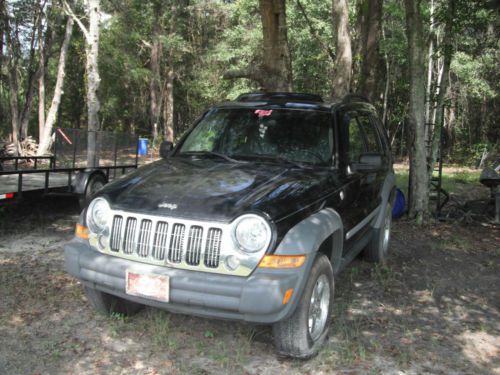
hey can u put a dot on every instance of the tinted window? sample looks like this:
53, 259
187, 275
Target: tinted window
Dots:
297, 135
371, 135
356, 142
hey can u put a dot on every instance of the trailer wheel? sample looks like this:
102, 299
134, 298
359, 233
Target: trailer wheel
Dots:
94, 183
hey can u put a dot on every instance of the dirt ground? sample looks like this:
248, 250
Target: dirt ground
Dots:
434, 309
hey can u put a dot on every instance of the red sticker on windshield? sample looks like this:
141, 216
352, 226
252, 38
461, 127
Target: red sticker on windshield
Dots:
263, 112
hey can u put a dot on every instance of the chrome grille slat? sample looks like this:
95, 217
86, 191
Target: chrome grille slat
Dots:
144, 238
176, 243
116, 233
212, 248
160, 240
193, 249
129, 241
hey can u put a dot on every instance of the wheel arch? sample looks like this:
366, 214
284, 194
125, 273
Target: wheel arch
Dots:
321, 232
388, 194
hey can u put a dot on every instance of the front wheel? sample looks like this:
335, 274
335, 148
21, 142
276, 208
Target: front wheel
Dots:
304, 332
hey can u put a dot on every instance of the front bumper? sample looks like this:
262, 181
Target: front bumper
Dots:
256, 298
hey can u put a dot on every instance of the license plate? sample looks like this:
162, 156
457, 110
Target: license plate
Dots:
150, 286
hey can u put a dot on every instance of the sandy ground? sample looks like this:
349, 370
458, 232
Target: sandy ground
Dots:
434, 309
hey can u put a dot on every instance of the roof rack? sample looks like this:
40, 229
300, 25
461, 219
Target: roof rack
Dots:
291, 96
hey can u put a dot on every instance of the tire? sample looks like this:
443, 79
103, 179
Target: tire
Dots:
95, 182
378, 248
293, 336
108, 304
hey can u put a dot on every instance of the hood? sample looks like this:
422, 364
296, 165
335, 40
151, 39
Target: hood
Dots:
205, 188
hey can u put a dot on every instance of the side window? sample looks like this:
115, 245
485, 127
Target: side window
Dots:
383, 133
371, 135
356, 142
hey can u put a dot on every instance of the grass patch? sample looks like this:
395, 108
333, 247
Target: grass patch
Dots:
453, 182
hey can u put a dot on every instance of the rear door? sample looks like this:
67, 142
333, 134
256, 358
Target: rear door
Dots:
373, 179
352, 145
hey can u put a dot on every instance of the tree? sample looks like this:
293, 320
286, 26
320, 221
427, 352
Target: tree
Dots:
274, 71
155, 89
20, 32
343, 64
48, 125
419, 186
91, 34
371, 20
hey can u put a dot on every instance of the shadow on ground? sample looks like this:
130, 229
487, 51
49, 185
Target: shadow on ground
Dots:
433, 309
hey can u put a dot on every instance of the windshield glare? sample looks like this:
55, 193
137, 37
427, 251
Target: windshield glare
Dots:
295, 135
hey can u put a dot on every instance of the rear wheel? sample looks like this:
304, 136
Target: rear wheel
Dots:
378, 249
108, 304
304, 332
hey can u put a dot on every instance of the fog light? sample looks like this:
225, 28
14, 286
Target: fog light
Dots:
232, 262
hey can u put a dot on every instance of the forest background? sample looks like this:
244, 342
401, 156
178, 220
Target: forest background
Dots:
151, 67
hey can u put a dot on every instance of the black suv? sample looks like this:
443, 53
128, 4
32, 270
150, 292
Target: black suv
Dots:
249, 217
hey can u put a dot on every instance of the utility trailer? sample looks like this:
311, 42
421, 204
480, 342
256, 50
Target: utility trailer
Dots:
74, 169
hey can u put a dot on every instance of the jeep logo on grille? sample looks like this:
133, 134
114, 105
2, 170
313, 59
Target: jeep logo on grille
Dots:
170, 206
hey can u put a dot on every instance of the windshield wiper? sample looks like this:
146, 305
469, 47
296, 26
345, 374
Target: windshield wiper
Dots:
277, 158
222, 156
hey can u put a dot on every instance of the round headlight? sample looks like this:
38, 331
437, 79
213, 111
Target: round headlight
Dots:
252, 233
98, 215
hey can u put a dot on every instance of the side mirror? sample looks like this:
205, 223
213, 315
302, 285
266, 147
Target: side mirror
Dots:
369, 162
166, 148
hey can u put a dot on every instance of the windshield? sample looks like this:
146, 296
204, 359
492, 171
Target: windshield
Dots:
293, 135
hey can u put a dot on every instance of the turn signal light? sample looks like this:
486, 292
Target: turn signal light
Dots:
287, 296
282, 261
82, 232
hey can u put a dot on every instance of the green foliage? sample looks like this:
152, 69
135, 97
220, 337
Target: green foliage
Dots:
471, 73
312, 66
201, 40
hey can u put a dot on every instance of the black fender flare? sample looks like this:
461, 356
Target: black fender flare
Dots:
388, 194
306, 237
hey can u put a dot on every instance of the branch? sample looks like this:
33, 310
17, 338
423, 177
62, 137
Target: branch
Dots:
80, 24
146, 44
314, 33
248, 73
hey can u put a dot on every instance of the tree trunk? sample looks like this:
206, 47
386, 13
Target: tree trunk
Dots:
443, 84
93, 79
168, 106
33, 72
276, 62
370, 49
12, 78
343, 64
419, 187
44, 47
387, 83
45, 137
430, 69
274, 72
41, 86
154, 83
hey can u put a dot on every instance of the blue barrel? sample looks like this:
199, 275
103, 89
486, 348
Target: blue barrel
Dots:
143, 147
399, 205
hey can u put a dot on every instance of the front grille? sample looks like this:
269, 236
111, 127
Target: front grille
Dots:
162, 240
